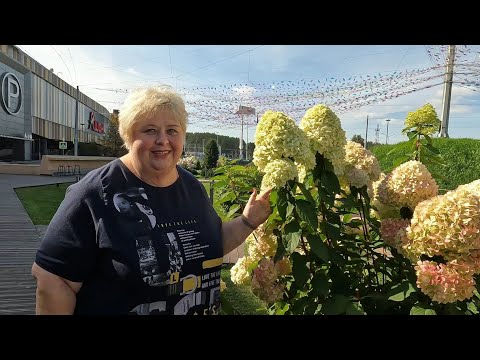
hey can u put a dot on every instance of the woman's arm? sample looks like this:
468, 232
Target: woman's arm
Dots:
55, 295
256, 212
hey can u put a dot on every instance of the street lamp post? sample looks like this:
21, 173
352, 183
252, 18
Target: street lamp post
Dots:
75, 146
386, 139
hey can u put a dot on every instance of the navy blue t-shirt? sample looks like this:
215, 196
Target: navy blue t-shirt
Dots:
137, 248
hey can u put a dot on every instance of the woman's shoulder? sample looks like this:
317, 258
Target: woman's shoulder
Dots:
187, 176
93, 182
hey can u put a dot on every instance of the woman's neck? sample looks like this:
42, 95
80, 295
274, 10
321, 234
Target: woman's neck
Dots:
157, 179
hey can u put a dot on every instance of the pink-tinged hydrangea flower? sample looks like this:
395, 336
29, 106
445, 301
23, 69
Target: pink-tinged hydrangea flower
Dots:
277, 173
283, 267
278, 137
356, 177
326, 135
407, 185
445, 283
473, 260
447, 225
240, 273
425, 120
264, 282
358, 157
382, 211
394, 233
261, 243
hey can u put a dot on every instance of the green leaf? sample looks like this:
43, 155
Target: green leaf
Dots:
228, 196
306, 193
400, 160
391, 151
300, 270
355, 308
318, 247
347, 218
320, 284
429, 139
282, 204
472, 307
332, 231
336, 305
291, 236
299, 305
280, 247
401, 291
330, 181
290, 209
273, 197
412, 134
233, 209
307, 212
432, 149
421, 310
282, 310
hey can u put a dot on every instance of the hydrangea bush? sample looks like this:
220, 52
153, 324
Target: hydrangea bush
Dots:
345, 239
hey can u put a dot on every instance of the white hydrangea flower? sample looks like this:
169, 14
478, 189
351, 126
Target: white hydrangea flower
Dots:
277, 173
326, 135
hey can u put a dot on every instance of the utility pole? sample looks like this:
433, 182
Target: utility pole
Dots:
447, 91
75, 145
241, 141
377, 134
246, 145
366, 135
386, 139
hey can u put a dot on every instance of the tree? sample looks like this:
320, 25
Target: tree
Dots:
358, 139
112, 141
211, 155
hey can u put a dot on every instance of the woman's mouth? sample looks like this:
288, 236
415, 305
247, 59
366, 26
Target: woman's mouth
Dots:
161, 152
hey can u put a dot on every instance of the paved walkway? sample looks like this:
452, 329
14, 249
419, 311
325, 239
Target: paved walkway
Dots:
19, 240
18, 243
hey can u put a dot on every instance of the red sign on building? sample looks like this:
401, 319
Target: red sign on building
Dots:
94, 125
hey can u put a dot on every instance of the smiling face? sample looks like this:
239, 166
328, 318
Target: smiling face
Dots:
157, 145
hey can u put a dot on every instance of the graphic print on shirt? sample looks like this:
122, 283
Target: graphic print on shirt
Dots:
168, 253
140, 221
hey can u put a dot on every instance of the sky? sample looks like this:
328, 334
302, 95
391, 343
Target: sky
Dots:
379, 81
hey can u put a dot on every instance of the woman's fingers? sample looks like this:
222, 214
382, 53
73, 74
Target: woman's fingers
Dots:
266, 194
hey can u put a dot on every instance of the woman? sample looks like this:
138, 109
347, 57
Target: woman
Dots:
139, 235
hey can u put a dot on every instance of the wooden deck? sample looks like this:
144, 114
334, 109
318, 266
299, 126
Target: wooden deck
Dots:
18, 244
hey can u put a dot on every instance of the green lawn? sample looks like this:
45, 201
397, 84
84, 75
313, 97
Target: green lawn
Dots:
41, 202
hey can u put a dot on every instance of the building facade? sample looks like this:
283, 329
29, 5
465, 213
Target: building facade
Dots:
38, 110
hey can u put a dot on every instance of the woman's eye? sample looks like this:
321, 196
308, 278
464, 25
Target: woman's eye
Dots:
172, 131
150, 131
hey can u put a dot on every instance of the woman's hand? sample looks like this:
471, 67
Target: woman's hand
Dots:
258, 210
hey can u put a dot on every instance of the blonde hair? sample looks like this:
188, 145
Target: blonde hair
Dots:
145, 102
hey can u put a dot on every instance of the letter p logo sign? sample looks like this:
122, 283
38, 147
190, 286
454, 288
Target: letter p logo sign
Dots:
11, 93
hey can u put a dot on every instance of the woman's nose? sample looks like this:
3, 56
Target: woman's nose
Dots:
162, 137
